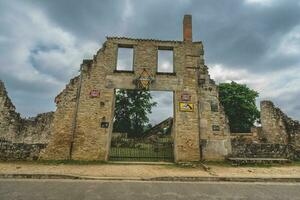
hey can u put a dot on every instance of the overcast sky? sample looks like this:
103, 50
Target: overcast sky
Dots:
256, 42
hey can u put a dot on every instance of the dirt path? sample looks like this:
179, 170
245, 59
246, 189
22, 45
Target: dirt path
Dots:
141, 170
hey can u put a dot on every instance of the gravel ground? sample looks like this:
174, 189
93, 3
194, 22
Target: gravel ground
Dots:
142, 170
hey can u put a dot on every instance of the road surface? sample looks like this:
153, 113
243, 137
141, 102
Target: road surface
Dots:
29, 189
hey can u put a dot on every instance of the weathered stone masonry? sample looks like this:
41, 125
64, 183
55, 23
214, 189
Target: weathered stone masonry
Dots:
76, 132
21, 139
278, 136
278, 127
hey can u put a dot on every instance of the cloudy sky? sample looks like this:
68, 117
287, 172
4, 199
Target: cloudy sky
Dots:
256, 42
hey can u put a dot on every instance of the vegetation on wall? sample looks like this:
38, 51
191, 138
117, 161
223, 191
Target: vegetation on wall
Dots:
238, 101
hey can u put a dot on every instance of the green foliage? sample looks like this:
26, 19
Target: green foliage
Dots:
131, 109
122, 121
239, 104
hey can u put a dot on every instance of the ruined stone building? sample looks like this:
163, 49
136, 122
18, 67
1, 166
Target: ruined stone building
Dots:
81, 126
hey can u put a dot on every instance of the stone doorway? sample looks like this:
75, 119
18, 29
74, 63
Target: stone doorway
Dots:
135, 138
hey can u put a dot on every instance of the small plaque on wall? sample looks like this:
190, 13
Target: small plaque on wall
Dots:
94, 93
185, 97
186, 107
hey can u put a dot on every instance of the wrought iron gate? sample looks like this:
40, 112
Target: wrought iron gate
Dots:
152, 148
155, 144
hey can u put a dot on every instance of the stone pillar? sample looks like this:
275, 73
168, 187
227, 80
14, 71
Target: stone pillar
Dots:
187, 28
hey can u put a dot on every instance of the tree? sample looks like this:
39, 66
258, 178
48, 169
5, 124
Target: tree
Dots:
122, 122
131, 110
239, 104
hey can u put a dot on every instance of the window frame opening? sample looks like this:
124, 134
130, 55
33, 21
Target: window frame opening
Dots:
172, 71
120, 68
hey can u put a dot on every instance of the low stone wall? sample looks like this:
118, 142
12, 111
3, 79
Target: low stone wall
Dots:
19, 151
243, 148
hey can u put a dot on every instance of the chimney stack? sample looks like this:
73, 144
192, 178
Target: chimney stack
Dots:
187, 28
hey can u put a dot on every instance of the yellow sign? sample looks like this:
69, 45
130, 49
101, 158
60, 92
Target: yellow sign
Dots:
186, 107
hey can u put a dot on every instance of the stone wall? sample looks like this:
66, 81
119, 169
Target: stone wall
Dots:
279, 136
277, 127
20, 151
245, 148
19, 136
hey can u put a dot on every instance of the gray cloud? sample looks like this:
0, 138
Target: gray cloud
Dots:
43, 42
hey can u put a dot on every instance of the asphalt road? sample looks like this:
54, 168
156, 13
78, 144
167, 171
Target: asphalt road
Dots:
133, 190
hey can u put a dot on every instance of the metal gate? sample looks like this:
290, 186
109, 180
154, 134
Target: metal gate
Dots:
155, 144
152, 148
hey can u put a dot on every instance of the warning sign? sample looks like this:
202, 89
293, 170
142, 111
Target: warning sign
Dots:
186, 107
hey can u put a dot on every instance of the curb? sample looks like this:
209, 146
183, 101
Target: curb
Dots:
168, 179
227, 179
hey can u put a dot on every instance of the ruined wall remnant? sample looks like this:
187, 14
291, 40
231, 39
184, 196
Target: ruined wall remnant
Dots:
279, 136
35, 130
60, 143
277, 127
9, 118
21, 139
213, 120
77, 133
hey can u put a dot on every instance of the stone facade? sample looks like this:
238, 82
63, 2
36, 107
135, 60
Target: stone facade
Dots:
77, 133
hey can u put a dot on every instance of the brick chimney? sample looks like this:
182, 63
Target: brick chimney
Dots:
187, 28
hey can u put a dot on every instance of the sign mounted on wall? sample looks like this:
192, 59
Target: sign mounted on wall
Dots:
144, 80
94, 93
185, 97
186, 107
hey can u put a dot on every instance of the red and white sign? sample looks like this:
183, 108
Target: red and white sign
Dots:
185, 97
94, 93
